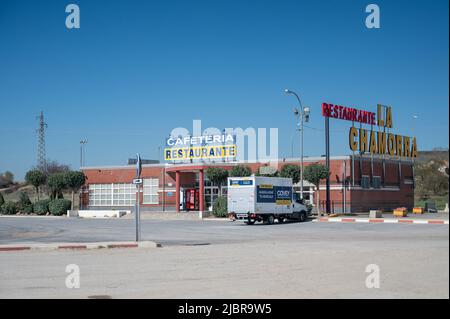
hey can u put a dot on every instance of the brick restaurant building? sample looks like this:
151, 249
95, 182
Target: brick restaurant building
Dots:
358, 183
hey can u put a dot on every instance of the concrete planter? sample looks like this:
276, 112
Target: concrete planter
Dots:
375, 214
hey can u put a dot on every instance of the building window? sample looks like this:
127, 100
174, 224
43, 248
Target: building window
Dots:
124, 194
112, 194
151, 191
100, 194
376, 182
365, 181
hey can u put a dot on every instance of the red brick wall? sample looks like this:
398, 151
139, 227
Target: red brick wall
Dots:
358, 199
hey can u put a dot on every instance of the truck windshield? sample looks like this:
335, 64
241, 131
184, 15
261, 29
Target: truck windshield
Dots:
297, 198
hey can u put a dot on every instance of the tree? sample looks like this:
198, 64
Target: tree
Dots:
291, 171
314, 173
53, 167
56, 183
6, 179
9, 177
24, 204
74, 181
36, 178
240, 171
217, 176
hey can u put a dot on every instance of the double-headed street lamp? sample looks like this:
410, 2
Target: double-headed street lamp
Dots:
303, 116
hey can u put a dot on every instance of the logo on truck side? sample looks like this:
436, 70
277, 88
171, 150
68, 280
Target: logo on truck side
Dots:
280, 195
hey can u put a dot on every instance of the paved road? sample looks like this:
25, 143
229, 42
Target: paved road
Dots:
190, 232
228, 260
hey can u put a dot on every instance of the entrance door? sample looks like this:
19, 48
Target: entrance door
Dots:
211, 194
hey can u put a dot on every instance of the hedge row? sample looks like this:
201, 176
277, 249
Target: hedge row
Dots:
55, 207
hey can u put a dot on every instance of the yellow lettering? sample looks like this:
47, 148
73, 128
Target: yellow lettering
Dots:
373, 143
381, 143
399, 142
391, 144
406, 147
414, 148
351, 138
362, 140
380, 117
389, 117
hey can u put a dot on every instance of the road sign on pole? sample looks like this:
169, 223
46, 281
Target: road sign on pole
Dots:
138, 166
138, 182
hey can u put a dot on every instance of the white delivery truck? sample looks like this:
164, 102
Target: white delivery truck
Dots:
259, 198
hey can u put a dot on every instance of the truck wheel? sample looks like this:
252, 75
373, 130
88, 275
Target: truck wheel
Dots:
270, 220
250, 222
280, 220
302, 217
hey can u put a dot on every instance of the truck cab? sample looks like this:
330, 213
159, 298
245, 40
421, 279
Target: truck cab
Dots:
299, 207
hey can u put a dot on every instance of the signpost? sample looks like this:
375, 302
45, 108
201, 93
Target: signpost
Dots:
327, 164
138, 182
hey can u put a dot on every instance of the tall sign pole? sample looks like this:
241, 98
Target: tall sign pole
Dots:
138, 182
327, 162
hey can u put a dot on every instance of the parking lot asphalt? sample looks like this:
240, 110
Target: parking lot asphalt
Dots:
190, 232
220, 259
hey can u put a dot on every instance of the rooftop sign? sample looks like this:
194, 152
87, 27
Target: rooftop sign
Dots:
200, 147
375, 142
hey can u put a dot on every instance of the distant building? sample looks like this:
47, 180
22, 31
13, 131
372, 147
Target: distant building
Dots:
360, 183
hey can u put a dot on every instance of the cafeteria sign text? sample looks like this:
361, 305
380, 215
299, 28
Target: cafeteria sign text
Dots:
200, 147
374, 142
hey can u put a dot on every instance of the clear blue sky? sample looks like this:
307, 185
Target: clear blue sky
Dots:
137, 69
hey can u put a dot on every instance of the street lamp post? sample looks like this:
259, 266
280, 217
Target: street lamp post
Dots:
82, 143
303, 114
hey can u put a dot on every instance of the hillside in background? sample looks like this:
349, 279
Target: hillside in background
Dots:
431, 178
437, 155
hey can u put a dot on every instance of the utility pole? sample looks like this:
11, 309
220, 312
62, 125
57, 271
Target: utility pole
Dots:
41, 158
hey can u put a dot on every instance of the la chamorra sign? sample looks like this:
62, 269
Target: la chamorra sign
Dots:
372, 141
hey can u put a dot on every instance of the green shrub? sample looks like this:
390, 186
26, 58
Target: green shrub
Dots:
24, 205
41, 206
27, 209
2, 200
9, 208
59, 206
220, 207
240, 171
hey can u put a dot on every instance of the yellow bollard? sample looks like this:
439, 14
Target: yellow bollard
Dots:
418, 210
400, 212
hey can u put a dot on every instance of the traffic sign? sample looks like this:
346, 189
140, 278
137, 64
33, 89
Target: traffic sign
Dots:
137, 181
